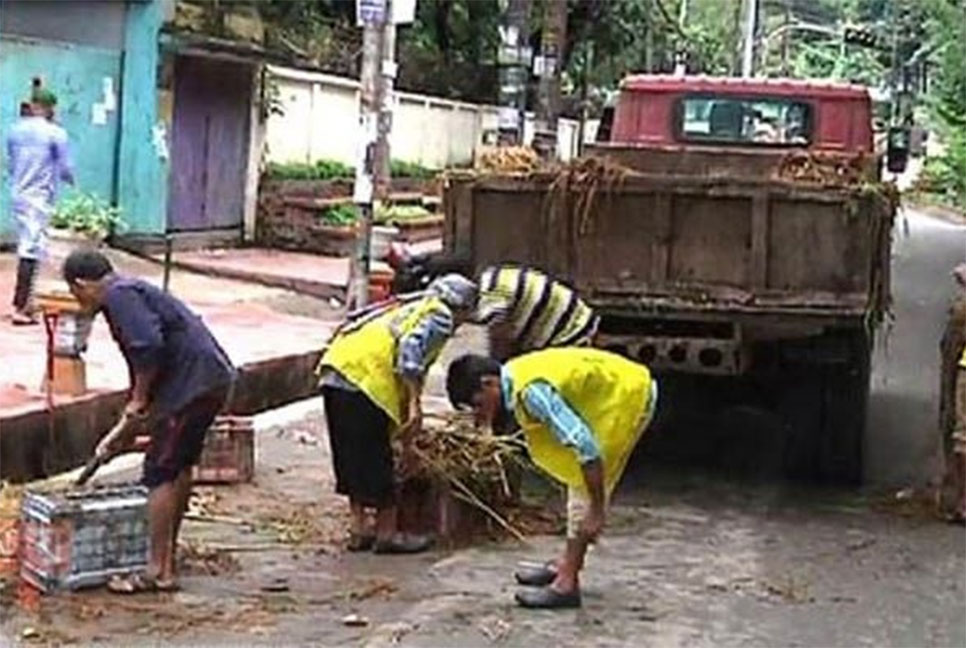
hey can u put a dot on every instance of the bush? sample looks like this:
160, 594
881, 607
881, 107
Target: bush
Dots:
945, 176
340, 215
320, 170
402, 169
87, 214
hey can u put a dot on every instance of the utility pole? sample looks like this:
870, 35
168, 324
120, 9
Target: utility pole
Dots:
680, 56
374, 123
552, 41
649, 36
785, 39
748, 37
514, 59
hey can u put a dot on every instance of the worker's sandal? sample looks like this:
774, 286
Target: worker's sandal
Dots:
540, 576
403, 544
548, 598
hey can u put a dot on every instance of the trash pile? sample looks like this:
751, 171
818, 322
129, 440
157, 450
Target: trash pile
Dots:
508, 159
824, 169
478, 467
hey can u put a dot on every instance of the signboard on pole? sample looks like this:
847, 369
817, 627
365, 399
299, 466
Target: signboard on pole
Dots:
370, 12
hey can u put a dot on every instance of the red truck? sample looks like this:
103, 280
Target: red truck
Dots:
742, 252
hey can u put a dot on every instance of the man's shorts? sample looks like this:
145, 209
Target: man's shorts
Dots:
177, 441
578, 502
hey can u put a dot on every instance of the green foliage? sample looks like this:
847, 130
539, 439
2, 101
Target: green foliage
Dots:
387, 214
87, 214
340, 215
403, 169
320, 170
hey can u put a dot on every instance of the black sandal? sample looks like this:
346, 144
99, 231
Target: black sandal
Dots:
536, 576
403, 544
547, 598
360, 542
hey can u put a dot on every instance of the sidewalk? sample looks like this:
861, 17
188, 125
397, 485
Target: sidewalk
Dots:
262, 329
307, 274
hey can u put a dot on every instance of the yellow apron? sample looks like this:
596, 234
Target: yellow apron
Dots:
609, 392
366, 356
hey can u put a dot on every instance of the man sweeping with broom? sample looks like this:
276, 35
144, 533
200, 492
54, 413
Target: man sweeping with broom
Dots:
582, 412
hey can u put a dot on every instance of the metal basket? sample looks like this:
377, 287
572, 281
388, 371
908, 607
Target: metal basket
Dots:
82, 538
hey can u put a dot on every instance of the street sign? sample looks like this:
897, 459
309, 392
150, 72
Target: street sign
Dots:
370, 12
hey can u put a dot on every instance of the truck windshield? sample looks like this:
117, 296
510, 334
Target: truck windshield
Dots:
752, 122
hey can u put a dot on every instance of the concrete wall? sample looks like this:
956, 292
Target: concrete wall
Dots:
88, 51
321, 116
83, 78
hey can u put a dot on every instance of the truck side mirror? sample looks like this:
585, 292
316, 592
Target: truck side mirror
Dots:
897, 151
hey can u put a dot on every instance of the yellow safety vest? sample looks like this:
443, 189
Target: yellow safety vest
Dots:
962, 359
366, 356
610, 393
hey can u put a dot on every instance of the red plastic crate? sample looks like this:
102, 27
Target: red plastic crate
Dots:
229, 453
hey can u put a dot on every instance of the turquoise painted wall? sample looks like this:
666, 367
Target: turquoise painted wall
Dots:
142, 171
78, 74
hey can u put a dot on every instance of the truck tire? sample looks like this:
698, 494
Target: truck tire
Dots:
823, 404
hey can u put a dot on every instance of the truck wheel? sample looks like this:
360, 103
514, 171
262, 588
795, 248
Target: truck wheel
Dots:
845, 392
823, 404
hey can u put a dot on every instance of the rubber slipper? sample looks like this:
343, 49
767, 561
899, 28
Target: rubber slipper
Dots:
547, 598
536, 576
360, 542
401, 544
22, 319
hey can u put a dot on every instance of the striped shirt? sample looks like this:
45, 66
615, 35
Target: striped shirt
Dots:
540, 311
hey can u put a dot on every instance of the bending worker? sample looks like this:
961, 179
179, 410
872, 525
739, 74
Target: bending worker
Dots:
582, 412
526, 310
180, 379
372, 379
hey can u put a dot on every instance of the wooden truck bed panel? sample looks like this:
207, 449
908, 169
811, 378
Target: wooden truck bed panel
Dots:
749, 244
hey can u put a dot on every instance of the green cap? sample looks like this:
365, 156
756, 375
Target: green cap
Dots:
44, 97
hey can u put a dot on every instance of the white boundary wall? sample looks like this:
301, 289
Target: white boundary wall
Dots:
321, 119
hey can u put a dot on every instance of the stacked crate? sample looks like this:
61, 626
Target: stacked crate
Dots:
80, 539
229, 453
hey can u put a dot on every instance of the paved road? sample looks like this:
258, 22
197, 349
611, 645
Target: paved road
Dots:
902, 441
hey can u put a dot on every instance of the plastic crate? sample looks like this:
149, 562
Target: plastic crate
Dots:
229, 453
80, 539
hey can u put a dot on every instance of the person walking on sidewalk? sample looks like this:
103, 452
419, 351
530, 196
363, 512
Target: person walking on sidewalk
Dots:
38, 159
372, 377
180, 381
582, 411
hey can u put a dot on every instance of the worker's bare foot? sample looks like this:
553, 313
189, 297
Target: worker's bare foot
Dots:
140, 583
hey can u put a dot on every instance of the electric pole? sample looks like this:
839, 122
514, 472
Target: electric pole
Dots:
552, 41
680, 57
514, 60
375, 120
748, 37
785, 39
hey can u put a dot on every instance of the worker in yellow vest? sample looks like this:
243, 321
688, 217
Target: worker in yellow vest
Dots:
582, 411
372, 378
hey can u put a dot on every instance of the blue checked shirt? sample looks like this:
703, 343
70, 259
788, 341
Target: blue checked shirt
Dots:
414, 349
544, 403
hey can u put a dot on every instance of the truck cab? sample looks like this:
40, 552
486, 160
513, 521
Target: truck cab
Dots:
744, 113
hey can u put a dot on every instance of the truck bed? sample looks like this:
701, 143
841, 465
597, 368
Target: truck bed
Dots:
705, 245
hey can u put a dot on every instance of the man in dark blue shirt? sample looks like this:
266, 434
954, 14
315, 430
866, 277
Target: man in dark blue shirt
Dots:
180, 378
